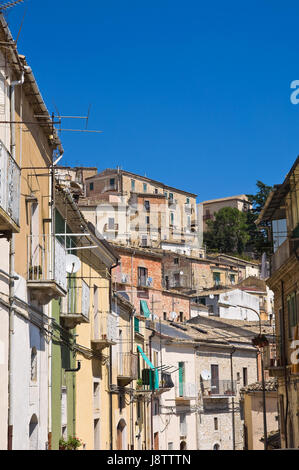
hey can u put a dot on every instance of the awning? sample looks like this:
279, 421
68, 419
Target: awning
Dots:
145, 309
156, 382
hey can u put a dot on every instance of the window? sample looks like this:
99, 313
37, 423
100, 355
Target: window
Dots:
292, 312
144, 187
133, 185
215, 424
147, 219
216, 278
156, 191
216, 447
138, 409
111, 223
112, 182
181, 317
171, 196
215, 379
232, 278
91, 186
144, 241
245, 377
238, 377
176, 260
142, 276
147, 206
170, 445
187, 200
164, 315
183, 425
34, 364
171, 218
96, 396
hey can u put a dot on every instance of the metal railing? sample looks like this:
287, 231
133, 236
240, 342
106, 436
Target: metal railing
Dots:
10, 176
105, 326
186, 390
280, 256
46, 260
218, 388
127, 365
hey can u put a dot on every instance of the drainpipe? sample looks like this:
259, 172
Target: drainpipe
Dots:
11, 274
152, 395
233, 402
109, 371
284, 365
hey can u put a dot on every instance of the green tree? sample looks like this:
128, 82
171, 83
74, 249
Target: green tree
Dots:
228, 233
258, 242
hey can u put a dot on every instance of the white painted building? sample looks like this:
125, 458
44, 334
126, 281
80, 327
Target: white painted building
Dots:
208, 366
237, 305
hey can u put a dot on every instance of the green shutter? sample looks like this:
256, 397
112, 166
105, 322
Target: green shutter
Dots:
181, 378
136, 325
144, 308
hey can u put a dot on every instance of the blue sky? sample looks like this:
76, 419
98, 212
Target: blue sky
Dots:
195, 94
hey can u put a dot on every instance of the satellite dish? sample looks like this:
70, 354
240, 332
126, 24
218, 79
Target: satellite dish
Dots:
73, 264
206, 375
211, 296
181, 273
173, 315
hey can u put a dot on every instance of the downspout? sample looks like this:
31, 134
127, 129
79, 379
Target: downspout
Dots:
284, 366
152, 394
110, 363
233, 402
11, 274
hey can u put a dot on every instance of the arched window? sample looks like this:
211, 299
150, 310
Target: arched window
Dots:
33, 433
33, 364
183, 445
216, 447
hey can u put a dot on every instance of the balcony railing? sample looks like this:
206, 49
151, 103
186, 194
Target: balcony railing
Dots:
111, 228
280, 256
145, 282
186, 391
46, 265
181, 282
218, 389
127, 367
105, 330
147, 383
10, 174
75, 307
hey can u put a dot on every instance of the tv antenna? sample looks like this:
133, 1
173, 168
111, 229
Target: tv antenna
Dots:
7, 5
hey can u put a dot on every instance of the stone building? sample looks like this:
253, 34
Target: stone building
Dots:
214, 205
252, 403
280, 215
139, 211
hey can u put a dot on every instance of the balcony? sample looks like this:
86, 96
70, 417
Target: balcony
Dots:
146, 384
76, 305
188, 208
46, 268
127, 368
10, 176
186, 392
105, 331
145, 282
218, 389
280, 256
110, 228
179, 283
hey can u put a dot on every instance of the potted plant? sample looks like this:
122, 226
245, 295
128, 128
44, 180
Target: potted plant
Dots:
73, 443
139, 384
35, 272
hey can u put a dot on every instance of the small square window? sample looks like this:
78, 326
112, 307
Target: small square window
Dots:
91, 186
